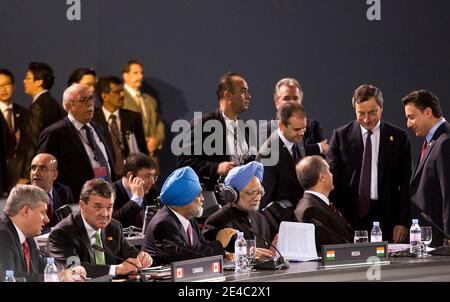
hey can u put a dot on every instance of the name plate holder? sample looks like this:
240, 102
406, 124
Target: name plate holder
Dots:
199, 269
353, 254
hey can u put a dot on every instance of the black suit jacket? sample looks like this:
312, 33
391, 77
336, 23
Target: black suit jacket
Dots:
430, 183
62, 141
166, 225
130, 122
43, 112
70, 238
311, 206
394, 171
13, 159
11, 253
280, 180
126, 211
62, 195
206, 165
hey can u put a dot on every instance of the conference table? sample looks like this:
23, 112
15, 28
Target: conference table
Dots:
429, 269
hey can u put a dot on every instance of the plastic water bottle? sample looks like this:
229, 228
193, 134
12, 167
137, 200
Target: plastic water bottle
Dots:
376, 235
415, 238
50, 271
240, 253
9, 276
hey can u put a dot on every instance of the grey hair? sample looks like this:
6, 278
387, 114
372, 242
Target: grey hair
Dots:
74, 92
24, 195
308, 170
290, 82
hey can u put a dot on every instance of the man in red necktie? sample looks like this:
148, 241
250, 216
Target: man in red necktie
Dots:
25, 218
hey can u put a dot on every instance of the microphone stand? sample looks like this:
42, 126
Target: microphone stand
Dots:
320, 225
441, 250
107, 251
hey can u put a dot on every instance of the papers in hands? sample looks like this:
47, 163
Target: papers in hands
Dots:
296, 241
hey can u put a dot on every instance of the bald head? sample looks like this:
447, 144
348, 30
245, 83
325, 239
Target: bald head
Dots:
44, 171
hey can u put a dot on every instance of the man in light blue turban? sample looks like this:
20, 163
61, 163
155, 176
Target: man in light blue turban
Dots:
173, 233
242, 192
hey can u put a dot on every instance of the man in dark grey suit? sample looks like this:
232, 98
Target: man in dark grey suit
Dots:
77, 142
280, 153
93, 224
314, 174
371, 163
430, 182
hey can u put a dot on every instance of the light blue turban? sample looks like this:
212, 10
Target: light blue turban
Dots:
240, 176
180, 188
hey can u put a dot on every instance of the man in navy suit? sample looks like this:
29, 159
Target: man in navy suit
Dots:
77, 142
25, 217
430, 182
371, 163
43, 173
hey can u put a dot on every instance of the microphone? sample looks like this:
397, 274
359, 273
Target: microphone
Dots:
107, 251
320, 225
272, 263
183, 247
442, 250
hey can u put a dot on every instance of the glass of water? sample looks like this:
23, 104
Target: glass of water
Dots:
427, 236
361, 237
251, 252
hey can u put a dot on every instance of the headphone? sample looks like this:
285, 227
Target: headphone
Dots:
227, 193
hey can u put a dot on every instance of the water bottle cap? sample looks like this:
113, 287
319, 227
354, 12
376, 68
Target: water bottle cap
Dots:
415, 221
9, 273
50, 260
376, 223
240, 234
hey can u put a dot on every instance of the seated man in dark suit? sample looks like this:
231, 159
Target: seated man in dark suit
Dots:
24, 219
93, 225
173, 233
314, 174
43, 173
243, 193
135, 190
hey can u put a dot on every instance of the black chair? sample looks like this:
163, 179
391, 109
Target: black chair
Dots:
278, 211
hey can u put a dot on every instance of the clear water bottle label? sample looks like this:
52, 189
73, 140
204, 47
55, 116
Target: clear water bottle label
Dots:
415, 237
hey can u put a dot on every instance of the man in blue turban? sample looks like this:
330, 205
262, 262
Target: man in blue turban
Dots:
242, 192
173, 234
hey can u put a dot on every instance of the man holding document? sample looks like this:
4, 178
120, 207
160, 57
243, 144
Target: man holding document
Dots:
314, 175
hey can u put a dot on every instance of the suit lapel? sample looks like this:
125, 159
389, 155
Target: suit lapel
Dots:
383, 151
85, 240
75, 138
419, 167
125, 126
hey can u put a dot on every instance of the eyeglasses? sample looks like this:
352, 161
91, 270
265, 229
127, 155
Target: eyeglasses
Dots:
44, 169
147, 178
370, 114
255, 193
5, 85
85, 100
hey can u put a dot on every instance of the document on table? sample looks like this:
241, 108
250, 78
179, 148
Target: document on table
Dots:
296, 241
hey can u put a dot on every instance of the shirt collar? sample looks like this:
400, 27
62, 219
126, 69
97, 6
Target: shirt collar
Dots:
433, 129
320, 195
375, 130
126, 190
39, 94
184, 222
4, 106
130, 90
108, 114
89, 230
76, 123
286, 142
22, 237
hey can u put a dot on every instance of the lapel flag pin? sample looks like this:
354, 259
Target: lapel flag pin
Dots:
391, 138
109, 238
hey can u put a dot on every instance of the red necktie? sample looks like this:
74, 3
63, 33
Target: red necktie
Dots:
26, 253
189, 233
336, 211
424, 149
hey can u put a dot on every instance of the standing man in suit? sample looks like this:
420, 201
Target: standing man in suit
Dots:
25, 217
233, 149
44, 110
124, 127
173, 233
146, 105
93, 224
289, 90
430, 182
314, 175
371, 163
43, 174
135, 190
77, 142
12, 120
285, 148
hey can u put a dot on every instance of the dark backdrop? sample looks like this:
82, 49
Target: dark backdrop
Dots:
329, 45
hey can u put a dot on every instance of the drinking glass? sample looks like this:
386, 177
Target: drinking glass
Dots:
251, 252
427, 236
361, 237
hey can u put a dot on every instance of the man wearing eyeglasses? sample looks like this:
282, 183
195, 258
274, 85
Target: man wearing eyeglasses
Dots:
371, 163
135, 190
241, 211
43, 173
77, 142
124, 127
